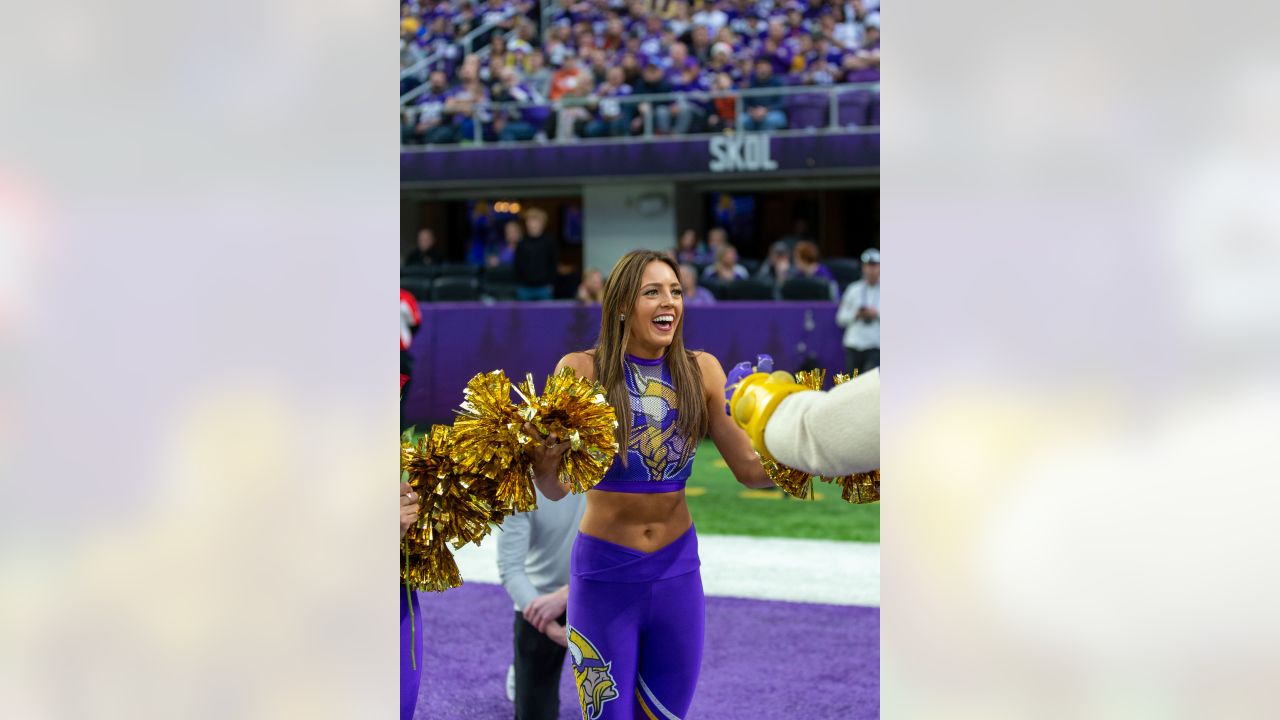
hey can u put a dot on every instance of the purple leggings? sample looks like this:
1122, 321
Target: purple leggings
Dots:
410, 637
635, 628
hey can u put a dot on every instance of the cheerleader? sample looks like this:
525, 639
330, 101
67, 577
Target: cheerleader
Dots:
636, 610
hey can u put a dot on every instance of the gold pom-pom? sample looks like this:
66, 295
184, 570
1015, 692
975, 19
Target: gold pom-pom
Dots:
796, 483
486, 440
859, 488
574, 409
429, 567
456, 507
812, 379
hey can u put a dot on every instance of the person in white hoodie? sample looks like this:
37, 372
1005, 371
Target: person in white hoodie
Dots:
859, 315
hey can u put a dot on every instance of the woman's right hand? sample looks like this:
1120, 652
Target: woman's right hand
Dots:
409, 508
546, 452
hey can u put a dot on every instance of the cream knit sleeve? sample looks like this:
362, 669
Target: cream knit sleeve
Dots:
830, 433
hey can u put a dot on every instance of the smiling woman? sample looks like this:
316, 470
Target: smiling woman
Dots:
636, 538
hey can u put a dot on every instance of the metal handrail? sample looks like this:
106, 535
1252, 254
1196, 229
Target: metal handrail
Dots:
418, 66
833, 93
466, 40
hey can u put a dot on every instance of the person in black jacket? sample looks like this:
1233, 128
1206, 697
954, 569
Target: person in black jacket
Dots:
652, 82
427, 252
764, 112
535, 259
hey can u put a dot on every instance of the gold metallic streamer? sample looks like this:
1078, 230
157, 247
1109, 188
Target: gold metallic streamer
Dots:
859, 488
574, 409
487, 441
458, 507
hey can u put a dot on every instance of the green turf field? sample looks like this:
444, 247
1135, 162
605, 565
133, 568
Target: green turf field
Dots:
721, 506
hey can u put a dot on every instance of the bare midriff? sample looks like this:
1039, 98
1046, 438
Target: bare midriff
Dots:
641, 521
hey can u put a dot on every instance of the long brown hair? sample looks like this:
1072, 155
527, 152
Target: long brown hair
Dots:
620, 294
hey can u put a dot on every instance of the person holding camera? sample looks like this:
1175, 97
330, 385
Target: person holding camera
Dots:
859, 315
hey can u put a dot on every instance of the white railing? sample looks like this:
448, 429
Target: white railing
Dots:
486, 110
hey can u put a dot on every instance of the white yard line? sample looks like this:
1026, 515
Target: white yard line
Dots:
818, 571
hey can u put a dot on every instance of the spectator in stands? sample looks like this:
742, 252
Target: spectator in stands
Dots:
680, 19
776, 267
693, 293
687, 114
724, 110
571, 81
700, 45
557, 46
652, 82
426, 253
710, 17
498, 58
764, 112
630, 69
805, 258
612, 117
717, 237
497, 11
431, 126
591, 289
516, 123
522, 44
505, 254
726, 267
722, 62
863, 65
859, 315
689, 250
775, 49
535, 260
467, 105
848, 32
539, 76
613, 39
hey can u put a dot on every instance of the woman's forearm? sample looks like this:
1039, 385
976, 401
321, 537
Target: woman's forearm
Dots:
548, 484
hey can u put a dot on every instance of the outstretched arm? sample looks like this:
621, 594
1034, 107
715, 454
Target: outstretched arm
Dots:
730, 440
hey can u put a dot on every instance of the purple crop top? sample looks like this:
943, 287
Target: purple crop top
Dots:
659, 458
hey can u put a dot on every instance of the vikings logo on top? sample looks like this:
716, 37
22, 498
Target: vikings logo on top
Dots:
664, 452
591, 674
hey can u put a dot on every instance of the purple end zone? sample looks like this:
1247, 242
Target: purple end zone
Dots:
763, 659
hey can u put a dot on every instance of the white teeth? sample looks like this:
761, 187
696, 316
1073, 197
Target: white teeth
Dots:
665, 318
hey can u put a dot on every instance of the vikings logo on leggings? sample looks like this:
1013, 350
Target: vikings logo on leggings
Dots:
591, 674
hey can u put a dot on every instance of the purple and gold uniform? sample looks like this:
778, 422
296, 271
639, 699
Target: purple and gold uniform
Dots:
636, 619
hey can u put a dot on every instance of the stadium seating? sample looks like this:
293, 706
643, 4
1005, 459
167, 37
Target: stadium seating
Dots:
498, 283
749, 289
846, 270
419, 286
807, 111
455, 288
462, 269
802, 288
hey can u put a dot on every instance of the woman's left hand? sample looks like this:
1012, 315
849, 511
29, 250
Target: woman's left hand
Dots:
409, 508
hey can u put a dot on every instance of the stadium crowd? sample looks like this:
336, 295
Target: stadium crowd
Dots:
601, 51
